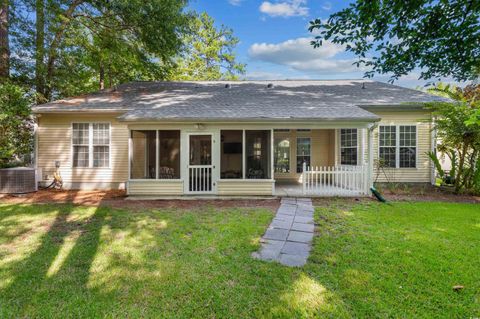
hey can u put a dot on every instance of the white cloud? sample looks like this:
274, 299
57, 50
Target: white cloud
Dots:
286, 8
299, 55
235, 2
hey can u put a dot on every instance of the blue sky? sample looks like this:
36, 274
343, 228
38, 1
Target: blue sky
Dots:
274, 40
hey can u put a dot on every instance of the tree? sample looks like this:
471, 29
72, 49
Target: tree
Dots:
4, 43
459, 139
440, 38
40, 48
208, 52
16, 125
77, 46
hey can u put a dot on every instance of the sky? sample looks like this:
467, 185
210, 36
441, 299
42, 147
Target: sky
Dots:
275, 42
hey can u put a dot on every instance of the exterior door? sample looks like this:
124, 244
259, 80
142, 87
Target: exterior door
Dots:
200, 168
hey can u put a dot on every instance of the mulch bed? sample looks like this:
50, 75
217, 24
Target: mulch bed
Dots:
116, 199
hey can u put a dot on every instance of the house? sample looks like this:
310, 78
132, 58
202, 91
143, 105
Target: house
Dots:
238, 138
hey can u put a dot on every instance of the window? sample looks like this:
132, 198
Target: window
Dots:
257, 145
231, 154
348, 147
101, 144
282, 155
387, 146
303, 152
398, 146
408, 146
152, 158
91, 144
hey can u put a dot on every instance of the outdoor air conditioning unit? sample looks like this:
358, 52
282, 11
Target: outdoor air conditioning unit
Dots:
18, 180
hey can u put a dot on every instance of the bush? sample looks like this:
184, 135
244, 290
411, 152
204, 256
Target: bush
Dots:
16, 125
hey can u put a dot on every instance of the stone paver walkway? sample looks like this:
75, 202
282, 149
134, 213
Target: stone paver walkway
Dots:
289, 237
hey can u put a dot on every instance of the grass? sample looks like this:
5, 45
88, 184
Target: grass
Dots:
369, 260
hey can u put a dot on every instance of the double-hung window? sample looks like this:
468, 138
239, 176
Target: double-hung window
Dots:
348, 146
408, 146
91, 144
398, 146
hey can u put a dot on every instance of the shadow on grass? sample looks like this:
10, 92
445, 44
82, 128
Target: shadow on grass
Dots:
102, 262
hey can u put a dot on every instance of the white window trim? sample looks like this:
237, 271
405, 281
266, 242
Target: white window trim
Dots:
397, 144
340, 146
90, 145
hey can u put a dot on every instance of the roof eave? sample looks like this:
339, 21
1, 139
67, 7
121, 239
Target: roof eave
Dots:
262, 119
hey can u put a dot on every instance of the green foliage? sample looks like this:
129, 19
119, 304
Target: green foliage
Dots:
433, 156
396, 37
459, 138
16, 126
368, 261
208, 52
94, 44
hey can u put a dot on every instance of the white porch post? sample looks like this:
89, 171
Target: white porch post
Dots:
129, 160
433, 148
272, 163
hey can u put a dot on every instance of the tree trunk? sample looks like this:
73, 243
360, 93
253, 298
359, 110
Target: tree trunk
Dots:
4, 45
460, 173
40, 50
102, 76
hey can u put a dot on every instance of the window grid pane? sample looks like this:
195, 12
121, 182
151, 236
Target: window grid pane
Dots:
388, 156
80, 134
388, 136
80, 156
101, 156
101, 134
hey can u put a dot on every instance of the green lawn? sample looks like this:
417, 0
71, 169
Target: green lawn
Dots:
369, 260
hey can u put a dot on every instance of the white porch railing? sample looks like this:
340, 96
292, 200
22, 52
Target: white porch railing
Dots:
335, 180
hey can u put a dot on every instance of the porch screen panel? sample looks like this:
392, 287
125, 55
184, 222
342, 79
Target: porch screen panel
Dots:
348, 147
258, 154
169, 154
282, 155
143, 159
231, 154
303, 152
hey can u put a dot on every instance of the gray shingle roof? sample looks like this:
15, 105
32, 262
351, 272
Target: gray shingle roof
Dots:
325, 100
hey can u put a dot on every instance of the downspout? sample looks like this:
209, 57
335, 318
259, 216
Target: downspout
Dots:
371, 128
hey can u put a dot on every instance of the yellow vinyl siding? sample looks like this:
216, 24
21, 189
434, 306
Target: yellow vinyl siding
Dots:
244, 187
420, 174
54, 143
155, 187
